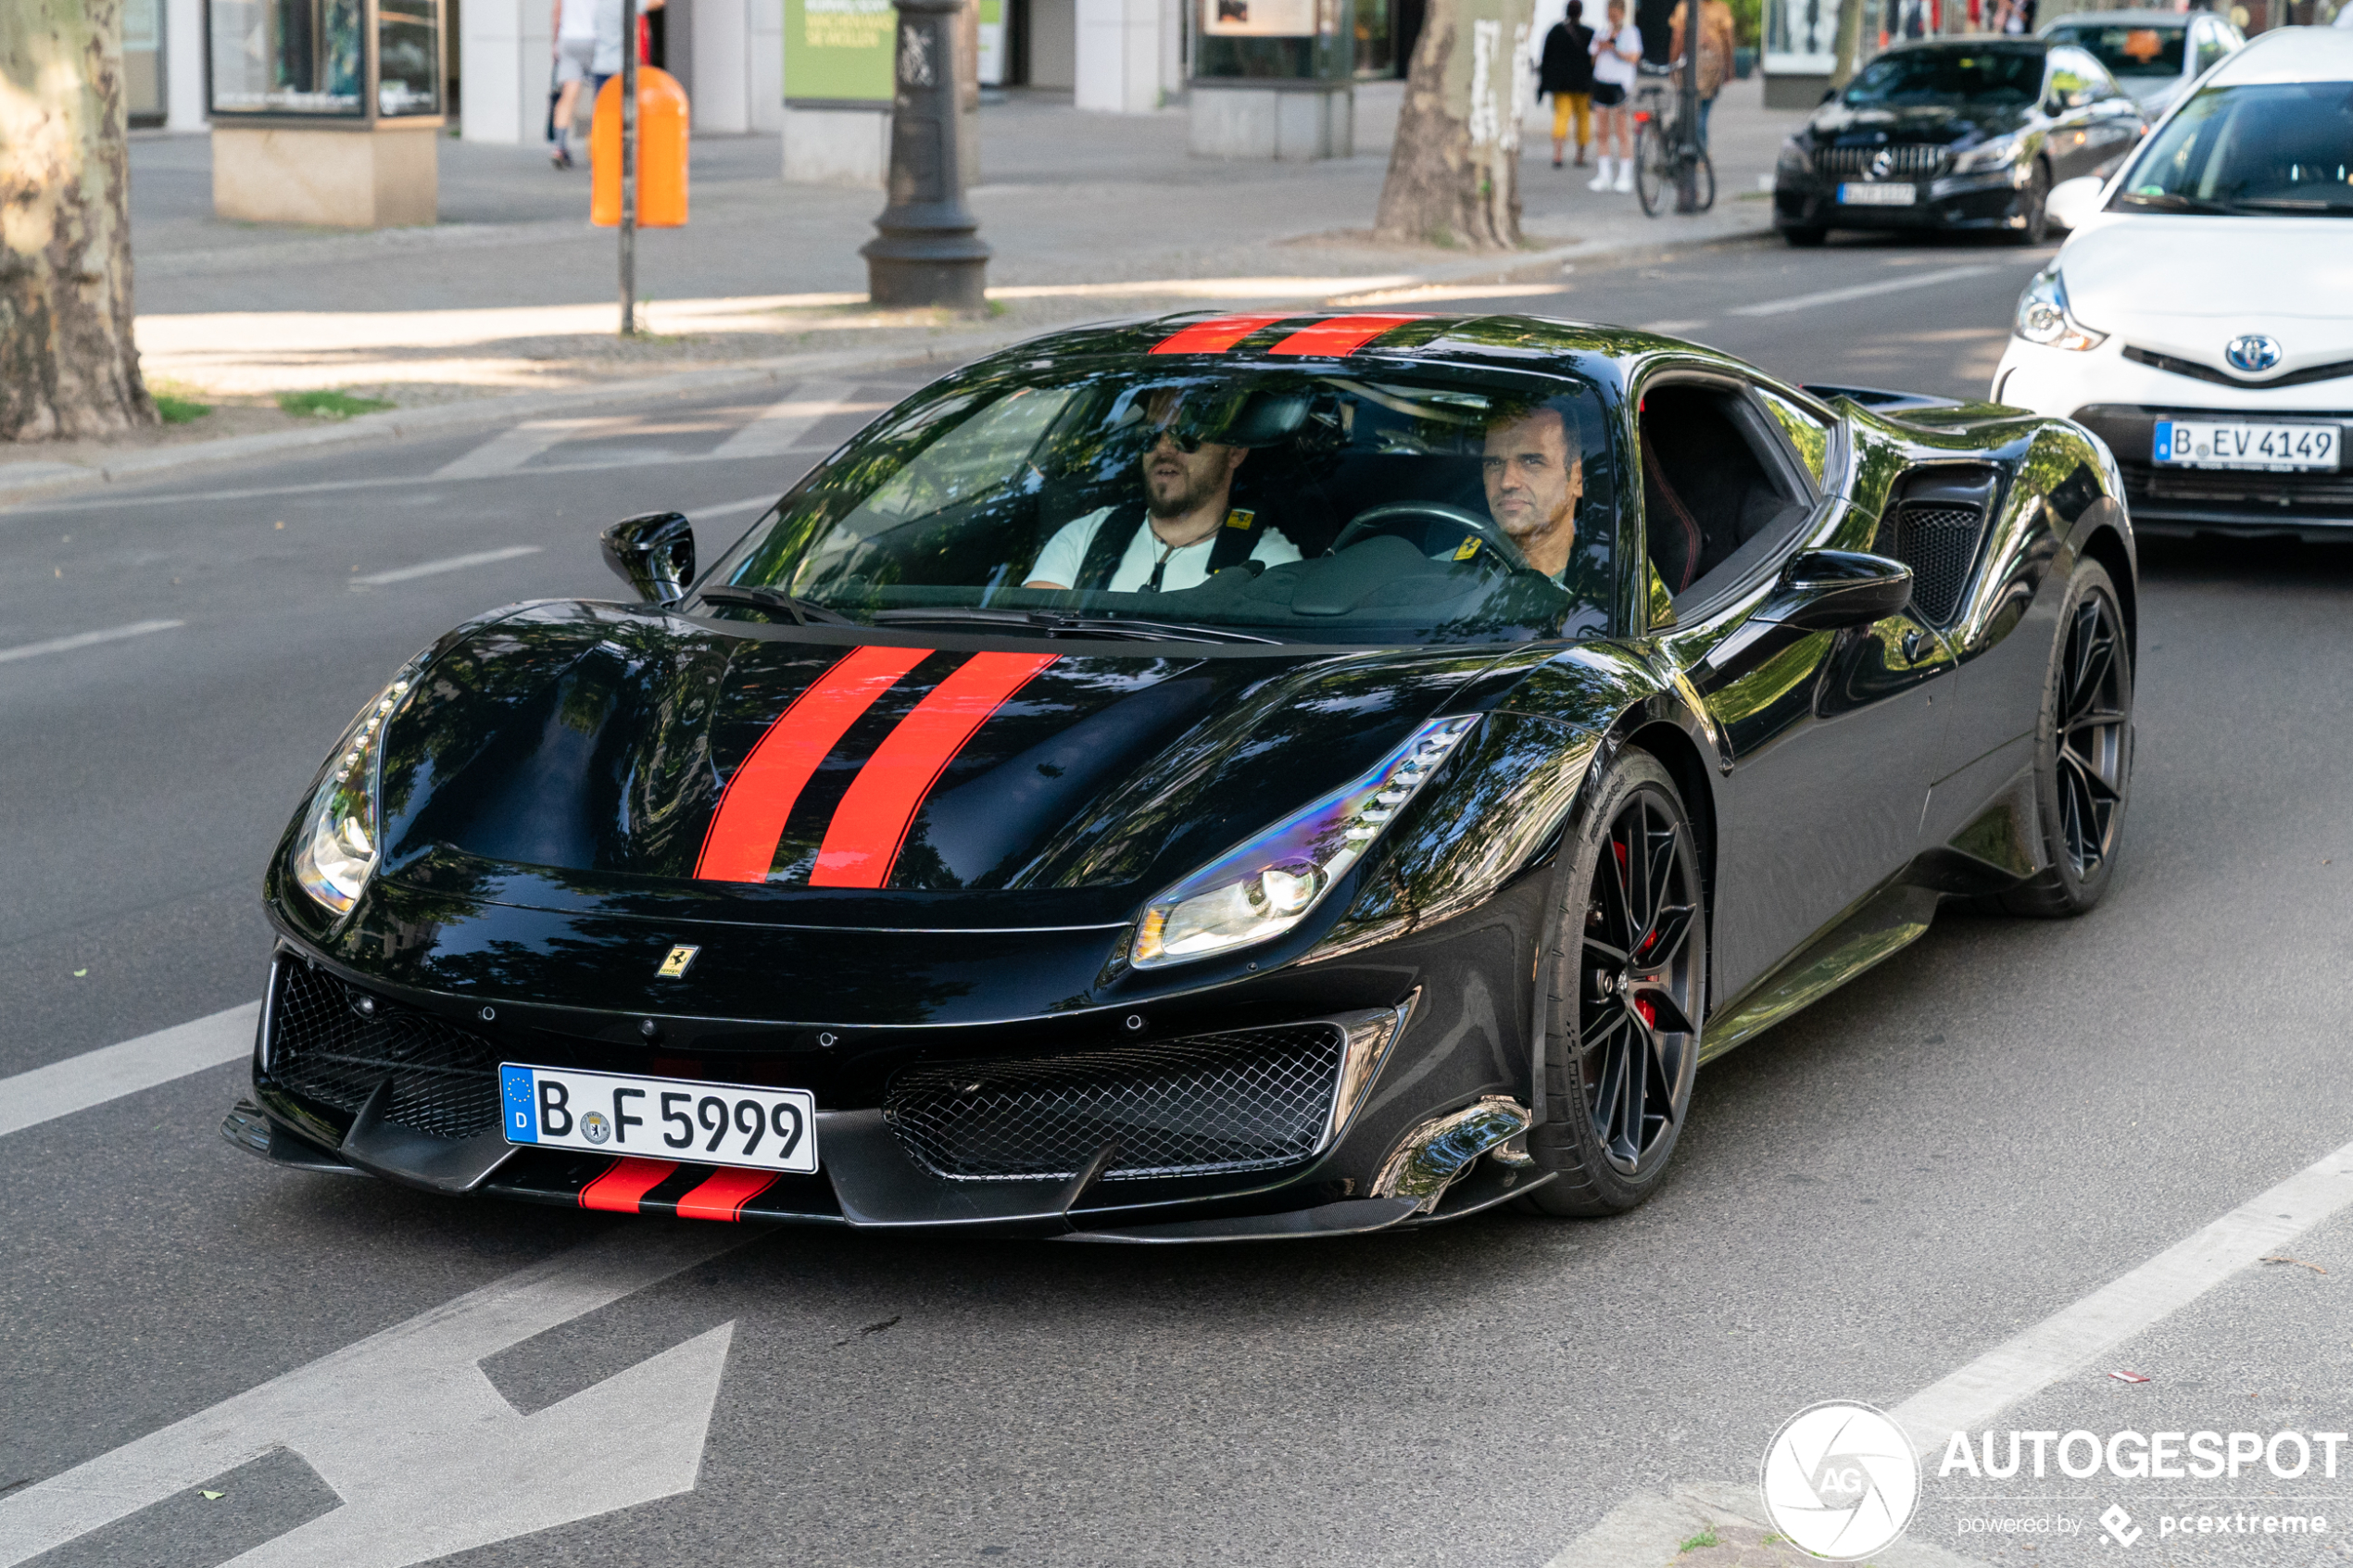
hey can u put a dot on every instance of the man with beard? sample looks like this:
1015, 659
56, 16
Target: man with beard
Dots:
1184, 529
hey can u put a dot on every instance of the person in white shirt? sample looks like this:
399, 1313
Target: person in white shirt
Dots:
1618, 48
1173, 541
574, 26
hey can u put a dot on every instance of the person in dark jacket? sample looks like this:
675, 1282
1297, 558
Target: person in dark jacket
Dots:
1565, 70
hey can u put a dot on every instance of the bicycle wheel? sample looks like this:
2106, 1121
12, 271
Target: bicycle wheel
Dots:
1653, 167
1704, 177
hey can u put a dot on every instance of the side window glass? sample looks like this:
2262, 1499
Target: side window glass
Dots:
1809, 435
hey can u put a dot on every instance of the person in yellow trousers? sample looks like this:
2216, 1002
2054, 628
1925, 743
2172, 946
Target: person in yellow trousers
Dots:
1565, 70
1716, 38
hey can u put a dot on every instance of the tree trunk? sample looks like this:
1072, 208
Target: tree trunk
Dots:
68, 365
1850, 41
1454, 172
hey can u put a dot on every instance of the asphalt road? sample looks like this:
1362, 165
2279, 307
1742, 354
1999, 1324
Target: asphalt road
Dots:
1994, 1124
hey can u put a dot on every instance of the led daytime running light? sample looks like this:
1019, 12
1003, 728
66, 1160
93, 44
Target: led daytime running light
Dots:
335, 852
1265, 886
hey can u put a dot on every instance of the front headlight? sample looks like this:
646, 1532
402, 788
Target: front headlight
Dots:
2044, 318
1795, 159
1263, 888
1996, 154
336, 850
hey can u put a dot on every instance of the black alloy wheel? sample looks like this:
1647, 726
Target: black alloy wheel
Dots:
2083, 769
2034, 206
1629, 992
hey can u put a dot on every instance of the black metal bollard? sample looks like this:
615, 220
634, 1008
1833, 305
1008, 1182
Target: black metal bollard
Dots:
929, 249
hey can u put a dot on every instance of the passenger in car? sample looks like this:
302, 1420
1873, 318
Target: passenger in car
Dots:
1194, 529
1534, 479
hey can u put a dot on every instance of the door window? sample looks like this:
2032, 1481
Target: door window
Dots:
1717, 496
1809, 436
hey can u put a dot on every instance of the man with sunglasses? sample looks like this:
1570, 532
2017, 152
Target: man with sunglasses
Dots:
1184, 529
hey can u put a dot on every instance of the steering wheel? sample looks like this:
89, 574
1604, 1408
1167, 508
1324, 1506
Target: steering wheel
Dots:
1376, 519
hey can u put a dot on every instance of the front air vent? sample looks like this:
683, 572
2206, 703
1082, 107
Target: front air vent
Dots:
1934, 527
333, 1044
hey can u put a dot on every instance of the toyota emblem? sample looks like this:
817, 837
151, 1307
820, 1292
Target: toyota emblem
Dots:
1883, 165
2253, 352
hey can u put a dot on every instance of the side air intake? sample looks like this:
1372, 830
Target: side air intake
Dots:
1935, 527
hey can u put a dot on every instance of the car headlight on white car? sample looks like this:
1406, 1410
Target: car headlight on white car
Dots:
2044, 318
1996, 154
1267, 885
336, 851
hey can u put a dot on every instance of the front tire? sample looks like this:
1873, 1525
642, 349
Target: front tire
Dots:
2083, 753
2035, 207
1628, 978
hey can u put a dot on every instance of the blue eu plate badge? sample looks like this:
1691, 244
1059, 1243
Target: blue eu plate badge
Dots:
515, 1097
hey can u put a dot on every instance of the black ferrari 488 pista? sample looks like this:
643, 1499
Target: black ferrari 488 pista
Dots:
1213, 778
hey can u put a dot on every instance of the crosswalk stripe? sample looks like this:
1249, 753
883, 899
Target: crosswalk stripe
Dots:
779, 427
510, 449
111, 1071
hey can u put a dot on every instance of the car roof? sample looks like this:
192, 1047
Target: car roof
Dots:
1979, 45
2075, 19
2289, 54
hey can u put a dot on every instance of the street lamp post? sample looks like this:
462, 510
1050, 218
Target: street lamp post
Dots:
628, 168
928, 249
1687, 167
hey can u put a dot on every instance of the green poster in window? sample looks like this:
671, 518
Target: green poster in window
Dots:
839, 49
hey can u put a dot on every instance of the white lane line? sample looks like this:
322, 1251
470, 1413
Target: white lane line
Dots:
704, 514
2072, 1336
780, 426
1860, 291
448, 563
78, 1082
510, 449
86, 639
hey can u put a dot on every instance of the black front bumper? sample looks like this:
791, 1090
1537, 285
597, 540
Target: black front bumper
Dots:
2184, 501
1970, 203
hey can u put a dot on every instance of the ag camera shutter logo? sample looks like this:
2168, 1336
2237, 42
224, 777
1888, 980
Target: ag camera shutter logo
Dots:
1841, 1480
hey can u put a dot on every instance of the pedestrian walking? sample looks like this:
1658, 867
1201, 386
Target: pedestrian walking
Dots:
575, 27
1567, 72
1717, 37
1617, 50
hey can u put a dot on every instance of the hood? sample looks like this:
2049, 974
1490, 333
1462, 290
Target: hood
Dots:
582, 752
1835, 124
2124, 273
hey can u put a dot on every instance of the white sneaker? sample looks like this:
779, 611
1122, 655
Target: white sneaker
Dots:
1601, 180
1625, 174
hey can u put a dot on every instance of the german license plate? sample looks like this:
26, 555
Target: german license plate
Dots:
2246, 443
1854, 194
659, 1118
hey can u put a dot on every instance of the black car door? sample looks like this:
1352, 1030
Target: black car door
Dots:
2068, 100
1830, 737
2115, 123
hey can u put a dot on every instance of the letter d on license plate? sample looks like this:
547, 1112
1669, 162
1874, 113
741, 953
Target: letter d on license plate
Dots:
659, 1118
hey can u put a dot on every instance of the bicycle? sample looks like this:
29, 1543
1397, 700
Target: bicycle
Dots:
1662, 148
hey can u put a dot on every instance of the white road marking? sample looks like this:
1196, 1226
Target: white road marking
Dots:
448, 563
1860, 291
86, 639
78, 1082
511, 449
2072, 1336
776, 429
703, 514
428, 1457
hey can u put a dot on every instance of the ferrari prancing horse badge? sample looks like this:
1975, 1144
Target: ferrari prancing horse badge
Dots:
674, 966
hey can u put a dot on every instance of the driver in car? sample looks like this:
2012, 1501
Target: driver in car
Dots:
1184, 529
1534, 479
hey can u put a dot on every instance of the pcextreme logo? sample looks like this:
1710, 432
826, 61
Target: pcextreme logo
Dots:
1841, 1480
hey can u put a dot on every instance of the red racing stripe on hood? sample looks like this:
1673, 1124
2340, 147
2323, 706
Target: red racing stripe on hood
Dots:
1214, 336
862, 841
1338, 336
741, 844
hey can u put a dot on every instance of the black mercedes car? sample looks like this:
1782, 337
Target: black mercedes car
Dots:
1207, 779
1954, 134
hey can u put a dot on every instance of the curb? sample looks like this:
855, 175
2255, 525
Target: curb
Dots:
445, 417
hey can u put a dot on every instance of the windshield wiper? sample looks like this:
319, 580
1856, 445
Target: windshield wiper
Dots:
2166, 201
2290, 204
803, 612
1055, 624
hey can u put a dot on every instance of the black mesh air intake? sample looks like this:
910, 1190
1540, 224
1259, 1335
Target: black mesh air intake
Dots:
1906, 160
445, 1080
1939, 542
1251, 1100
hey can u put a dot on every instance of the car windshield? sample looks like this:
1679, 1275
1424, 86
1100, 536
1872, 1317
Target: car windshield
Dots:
1907, 78
2276, 148
1118, 499
2130, 50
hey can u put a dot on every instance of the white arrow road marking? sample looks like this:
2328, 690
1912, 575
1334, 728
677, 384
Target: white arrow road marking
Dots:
95, 1077
86, 639
777, 428
1859, 291
426, 1454
510, 449
448, 563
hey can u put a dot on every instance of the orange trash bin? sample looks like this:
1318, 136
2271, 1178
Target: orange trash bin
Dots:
661, 153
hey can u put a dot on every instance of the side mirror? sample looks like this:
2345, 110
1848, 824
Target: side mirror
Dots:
1831, 590
653, 554
2072, 201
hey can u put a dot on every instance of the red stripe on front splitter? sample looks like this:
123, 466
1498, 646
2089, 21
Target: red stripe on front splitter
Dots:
1214, 336
618, 1190
741, 844
723, 1196
862, 841
1339, 335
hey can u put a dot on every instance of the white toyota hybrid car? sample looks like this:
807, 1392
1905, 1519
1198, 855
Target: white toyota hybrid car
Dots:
2199, 318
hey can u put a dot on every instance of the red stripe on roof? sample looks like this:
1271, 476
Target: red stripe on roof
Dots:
1336, 336
618, 1190
723, 1196
1214, 336
862, 841
741, 843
